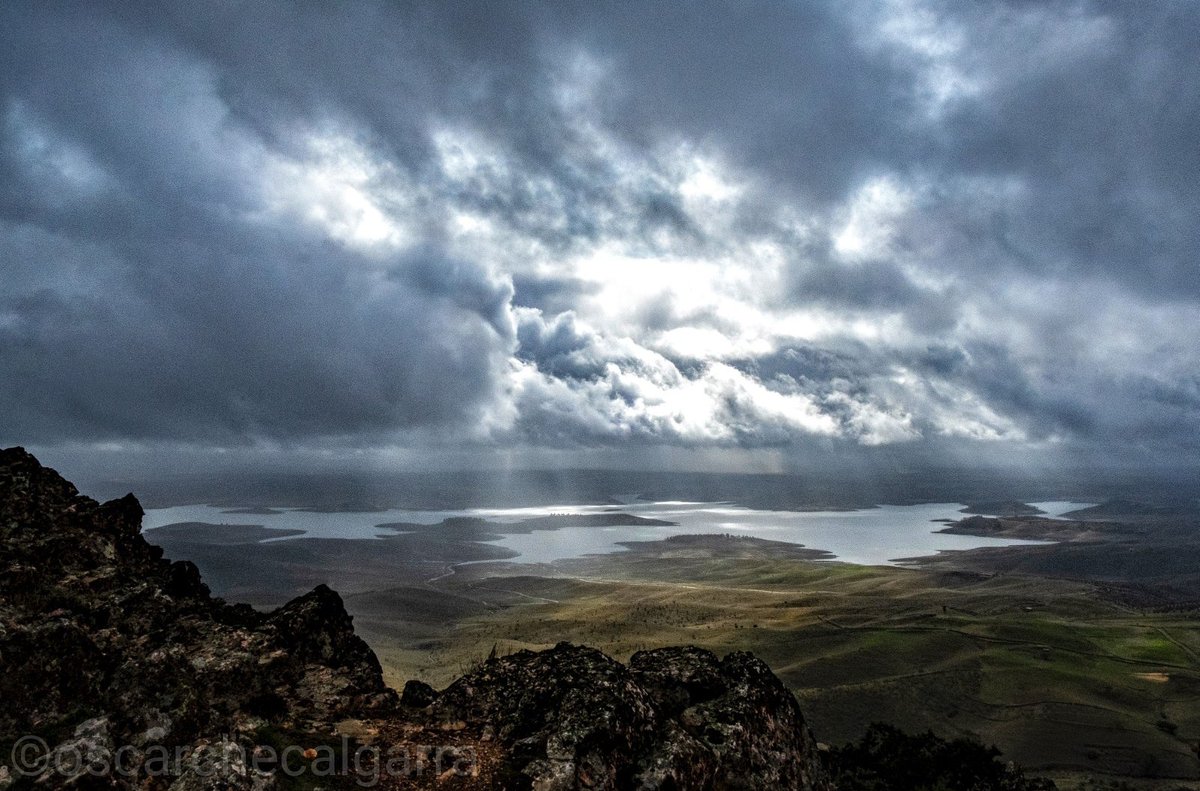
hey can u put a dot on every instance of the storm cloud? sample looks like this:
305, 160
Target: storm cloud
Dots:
565, 225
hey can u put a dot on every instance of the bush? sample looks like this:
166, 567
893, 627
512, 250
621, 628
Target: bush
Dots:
887, 759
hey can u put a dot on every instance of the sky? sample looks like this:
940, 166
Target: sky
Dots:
700, 234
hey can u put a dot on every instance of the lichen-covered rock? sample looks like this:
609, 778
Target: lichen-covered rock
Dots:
104, 643
221, 765
89, 751
675, 718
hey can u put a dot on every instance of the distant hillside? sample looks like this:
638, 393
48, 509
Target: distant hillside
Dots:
1121, 508
1002, 508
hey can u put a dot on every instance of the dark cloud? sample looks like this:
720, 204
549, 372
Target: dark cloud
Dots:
560, 348
812, 364
144, 301
211, 352
1089, 107
550, 294
366, 223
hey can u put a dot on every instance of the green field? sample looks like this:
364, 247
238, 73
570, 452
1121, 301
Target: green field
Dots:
1062, 680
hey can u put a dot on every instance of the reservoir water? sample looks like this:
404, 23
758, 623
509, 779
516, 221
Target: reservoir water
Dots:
872, 536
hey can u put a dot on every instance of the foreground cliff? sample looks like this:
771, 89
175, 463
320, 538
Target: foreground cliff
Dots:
105, 643
119, 670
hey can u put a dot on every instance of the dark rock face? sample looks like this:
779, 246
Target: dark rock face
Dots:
105, 645
95, 626
674, 718
417, 694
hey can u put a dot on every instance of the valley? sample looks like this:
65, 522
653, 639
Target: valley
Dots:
1079, 659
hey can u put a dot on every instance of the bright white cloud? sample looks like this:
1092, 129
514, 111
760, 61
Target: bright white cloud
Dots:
869, 221
340, 188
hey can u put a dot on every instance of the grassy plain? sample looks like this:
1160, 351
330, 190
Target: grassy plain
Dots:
1062, 679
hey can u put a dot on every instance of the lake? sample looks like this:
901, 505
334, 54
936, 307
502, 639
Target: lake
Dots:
873, 536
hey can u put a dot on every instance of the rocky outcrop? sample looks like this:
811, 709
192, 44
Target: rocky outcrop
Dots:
118, 669
674, 718
98, 631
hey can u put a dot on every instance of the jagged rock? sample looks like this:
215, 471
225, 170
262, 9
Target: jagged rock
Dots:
674, 718
315, 628
103, 637
417, 694
89, 751
221, 765
183, 581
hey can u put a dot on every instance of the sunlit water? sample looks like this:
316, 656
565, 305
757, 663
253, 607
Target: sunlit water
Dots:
870, 536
